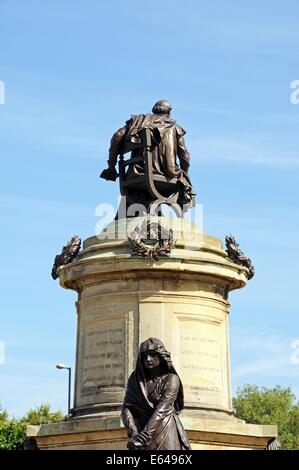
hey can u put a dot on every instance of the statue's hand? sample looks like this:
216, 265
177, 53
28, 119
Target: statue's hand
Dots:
131, 445
134, 433
109, 174
138, 442
142, 438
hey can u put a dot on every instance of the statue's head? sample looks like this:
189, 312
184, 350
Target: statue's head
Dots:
162, 107
151, 359
153, 353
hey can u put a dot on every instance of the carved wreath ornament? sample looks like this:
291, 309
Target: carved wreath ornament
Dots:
235, 253
69, 252
151, 248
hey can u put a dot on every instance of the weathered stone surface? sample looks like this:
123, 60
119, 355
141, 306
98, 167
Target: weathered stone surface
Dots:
108, 434
123, 300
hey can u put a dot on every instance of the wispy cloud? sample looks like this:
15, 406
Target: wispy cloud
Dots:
22, 205
230, 26
234, 150
264, 117
53, 132
277, 367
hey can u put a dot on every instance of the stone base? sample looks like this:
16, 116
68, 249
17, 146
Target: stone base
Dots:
181, 299
109, 434
123, 299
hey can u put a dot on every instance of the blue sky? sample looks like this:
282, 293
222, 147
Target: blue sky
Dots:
73, 73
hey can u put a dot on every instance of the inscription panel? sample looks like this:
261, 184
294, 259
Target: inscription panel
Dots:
202, 365
103, 351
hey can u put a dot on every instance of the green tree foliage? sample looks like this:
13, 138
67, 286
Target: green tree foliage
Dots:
12, 435
3, 414
42, 415
13, 431
270, 406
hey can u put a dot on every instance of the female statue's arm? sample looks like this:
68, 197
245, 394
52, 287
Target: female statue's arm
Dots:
129, 423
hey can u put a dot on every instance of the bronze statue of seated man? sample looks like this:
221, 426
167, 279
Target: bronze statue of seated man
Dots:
169, 156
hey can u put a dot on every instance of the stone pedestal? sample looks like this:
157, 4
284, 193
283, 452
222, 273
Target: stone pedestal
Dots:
123, 300
109, 434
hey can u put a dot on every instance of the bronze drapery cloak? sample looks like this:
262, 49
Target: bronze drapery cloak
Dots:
169, 144
155, 412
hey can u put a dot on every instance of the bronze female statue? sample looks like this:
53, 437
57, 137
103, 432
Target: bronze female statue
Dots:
153, 400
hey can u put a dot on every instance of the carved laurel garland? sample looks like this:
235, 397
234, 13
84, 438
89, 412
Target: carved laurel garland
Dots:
69, 252
159, 247
237, 256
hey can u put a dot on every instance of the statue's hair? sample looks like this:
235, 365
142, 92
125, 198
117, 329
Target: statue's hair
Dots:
162, 107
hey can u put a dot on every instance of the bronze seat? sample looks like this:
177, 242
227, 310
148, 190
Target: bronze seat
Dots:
161, 190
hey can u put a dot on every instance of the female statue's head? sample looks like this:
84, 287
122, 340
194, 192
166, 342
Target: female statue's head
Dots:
151, 359
152, 353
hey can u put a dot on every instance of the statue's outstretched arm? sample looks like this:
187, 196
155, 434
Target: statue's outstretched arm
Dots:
115, 146
110, 173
